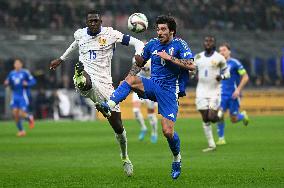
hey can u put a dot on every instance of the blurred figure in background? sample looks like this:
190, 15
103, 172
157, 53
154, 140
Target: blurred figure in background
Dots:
20, 80
231, 90
137, 102
212, 68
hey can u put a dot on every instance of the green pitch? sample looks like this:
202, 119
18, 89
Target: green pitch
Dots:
85, 154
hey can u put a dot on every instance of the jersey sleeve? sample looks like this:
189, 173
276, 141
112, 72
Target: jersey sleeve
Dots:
30, 79
185, 52
119, 37
240, 68
222, 62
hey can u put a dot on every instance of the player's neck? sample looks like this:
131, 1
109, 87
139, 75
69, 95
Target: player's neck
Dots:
93, 33
210, 52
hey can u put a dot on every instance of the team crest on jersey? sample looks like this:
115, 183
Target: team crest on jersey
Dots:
213, 62
171, 51
197, 56
102, 41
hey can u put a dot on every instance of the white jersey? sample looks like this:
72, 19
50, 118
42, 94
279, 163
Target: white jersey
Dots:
95, 52
208, 68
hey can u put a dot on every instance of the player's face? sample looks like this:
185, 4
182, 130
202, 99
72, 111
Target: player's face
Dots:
224, 51
209, 43
164, 34
94, 22
18, 65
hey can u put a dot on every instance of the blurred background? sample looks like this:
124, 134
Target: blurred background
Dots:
38, 31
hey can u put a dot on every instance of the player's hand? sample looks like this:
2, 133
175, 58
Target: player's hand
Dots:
236, 94
219, 78
6, 83
25, 83
55, 63
164, 55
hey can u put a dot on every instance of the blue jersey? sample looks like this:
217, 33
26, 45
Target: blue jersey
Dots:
16, 79
165, 73
236, 71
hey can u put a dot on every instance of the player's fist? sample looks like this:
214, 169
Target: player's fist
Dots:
55, 63
219, 77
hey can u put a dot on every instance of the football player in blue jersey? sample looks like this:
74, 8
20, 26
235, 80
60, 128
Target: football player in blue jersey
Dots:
19, 80
170, 56
231, 91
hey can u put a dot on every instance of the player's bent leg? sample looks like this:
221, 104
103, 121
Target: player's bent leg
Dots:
120, 134
174, 144
28, 117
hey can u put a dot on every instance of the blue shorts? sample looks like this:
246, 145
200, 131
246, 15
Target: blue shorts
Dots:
19, 102
227, 102
167, 100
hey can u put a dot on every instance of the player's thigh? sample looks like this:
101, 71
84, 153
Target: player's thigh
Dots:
101, 92
214, 103
151, 105
225, 101
202, 104
167, 104
149, 89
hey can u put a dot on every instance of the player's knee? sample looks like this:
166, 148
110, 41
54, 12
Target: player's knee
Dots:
168, 133
131, 80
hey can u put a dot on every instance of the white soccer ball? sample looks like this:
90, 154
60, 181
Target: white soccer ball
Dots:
137, 22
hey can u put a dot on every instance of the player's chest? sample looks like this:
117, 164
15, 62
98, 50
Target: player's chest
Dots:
208, 62
102, 42
17, 78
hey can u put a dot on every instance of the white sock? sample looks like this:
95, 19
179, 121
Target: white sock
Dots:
209, 134
122, 140
177, 158
139, 117
154, 123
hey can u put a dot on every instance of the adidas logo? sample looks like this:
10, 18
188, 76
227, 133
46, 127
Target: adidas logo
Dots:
172, 115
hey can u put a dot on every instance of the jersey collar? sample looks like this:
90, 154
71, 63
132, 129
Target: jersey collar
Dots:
89, 32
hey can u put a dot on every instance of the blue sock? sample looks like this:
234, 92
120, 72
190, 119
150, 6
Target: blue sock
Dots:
174, 144
20, 125
221, 129
240, 117
121, 92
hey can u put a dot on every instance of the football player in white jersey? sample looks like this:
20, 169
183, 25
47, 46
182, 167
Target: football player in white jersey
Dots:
212, 68
137, 102
93, 71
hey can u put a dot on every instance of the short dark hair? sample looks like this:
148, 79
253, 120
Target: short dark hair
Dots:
92, 12
227, 45
170, 21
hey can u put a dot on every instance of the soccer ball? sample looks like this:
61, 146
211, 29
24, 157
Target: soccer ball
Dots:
137, 22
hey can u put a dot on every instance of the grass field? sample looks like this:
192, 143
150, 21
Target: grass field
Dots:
85, 154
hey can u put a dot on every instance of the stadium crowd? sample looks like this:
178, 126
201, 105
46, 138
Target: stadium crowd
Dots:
214, 14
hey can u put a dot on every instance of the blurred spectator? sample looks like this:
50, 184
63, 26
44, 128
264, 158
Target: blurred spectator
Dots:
194, 14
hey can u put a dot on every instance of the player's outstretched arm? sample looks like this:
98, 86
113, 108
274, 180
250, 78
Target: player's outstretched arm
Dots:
184, 63
55, 63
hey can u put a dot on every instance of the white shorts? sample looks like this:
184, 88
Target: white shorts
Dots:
100, 92
207, 103
150, 104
